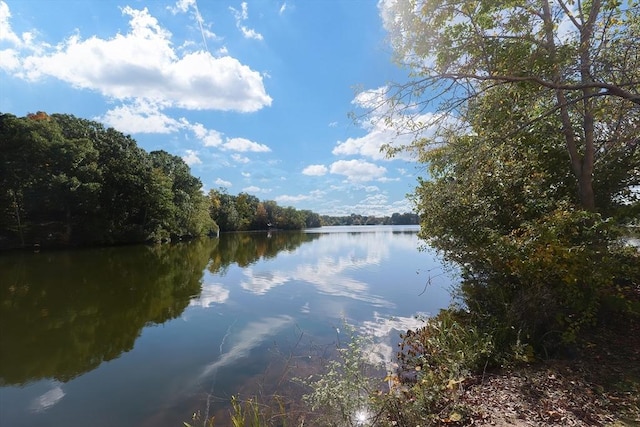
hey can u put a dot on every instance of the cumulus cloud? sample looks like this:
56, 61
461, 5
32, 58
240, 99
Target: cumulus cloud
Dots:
141, 65
222, 183
400, 131
254, 189
7, 34
357, 170
191, 158
315, 170
209, 137
244, 145
140, 117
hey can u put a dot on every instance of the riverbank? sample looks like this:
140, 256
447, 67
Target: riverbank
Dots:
599, 385
595, 384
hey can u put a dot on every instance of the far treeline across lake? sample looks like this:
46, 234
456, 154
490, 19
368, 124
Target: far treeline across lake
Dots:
69, 181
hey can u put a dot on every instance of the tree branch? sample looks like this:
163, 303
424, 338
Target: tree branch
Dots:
614, 90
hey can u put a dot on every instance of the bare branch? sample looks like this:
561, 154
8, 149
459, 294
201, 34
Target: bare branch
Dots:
570, 15
614, 90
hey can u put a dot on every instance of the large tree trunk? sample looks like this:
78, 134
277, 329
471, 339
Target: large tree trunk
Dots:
581, 165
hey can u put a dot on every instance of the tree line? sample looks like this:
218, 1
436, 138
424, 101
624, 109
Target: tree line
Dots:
246, 212
396, 218
71, 181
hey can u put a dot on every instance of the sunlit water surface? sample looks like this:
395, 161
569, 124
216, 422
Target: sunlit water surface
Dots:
148, 336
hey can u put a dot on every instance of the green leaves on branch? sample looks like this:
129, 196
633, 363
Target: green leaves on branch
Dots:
537, 160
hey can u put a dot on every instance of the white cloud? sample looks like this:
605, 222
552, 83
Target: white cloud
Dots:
368, 145
7, 34
358, 170
241, 16
282, 8
212, 293
191, 158
315, 170
292, 199
245, 174
9, 60
387, 125
222, 183
240, 159
244, 145
182, 6
209, 137
140, 117
253, 189
143, 65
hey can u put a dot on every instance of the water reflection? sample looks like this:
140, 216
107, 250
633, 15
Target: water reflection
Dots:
247, 339
245, 249
237, 303
47, 399
64, 313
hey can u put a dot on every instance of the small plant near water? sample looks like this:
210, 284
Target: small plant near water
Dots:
343, 394
434, 362
250, 413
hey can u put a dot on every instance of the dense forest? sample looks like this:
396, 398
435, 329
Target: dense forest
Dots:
68, 181
71, 181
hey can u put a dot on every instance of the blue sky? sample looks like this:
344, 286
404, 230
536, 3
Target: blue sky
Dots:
253, 95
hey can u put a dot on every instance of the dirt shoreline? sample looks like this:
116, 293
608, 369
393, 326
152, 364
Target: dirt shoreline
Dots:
600, 386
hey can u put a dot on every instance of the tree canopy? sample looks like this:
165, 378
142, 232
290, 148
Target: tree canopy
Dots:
532, 153
246, 212
578, 61
70, 181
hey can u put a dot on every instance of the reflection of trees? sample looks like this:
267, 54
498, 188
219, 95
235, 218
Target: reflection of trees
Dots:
64, 313
246, 248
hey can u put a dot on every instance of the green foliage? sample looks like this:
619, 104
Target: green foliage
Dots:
532, 261
343, 394
396, 218
70, 181
434, 361
251, 413
527, 182
245, 212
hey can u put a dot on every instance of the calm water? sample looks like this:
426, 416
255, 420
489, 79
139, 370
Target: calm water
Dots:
145, 336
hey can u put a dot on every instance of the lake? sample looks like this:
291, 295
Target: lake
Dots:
149, 335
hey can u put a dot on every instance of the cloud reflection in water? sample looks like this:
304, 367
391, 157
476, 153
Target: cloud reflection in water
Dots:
247, 339
47, 400
212, 293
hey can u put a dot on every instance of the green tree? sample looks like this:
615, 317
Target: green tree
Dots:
190, 206
522, 87
67, 180
581, 57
